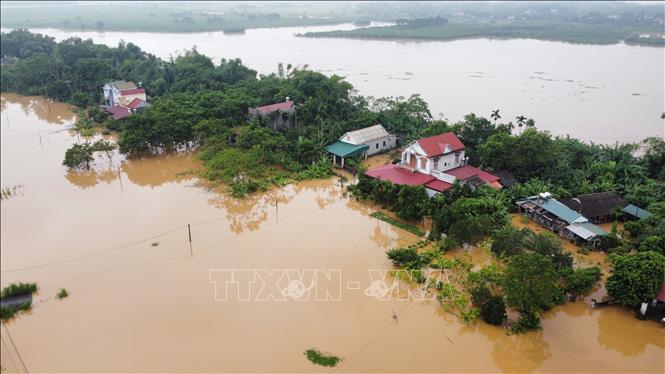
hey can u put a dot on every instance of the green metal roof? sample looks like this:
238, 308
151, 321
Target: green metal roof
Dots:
635, 211
344, 149
555, 207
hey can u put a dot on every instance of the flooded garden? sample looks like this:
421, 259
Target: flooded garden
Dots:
142, 299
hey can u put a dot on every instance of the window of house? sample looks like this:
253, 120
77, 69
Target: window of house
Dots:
384, 143
377, 145
422, 163
457, 154
436, 163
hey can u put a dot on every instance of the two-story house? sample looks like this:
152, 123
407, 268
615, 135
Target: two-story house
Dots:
435, 162
121, 98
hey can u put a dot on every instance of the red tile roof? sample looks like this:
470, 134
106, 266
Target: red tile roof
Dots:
468, 171
436, 145
134, 103
118, 112
287, 105
134, 91
398, 175
438, 185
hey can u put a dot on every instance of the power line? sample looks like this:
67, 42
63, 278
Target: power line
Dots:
88, 255
25, 368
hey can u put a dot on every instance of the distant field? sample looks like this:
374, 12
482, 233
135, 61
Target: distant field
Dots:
572, 33
153, 18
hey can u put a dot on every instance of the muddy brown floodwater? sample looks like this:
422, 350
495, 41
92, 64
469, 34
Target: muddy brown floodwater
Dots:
140, 301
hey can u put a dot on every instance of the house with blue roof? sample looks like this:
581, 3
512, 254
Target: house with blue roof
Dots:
557, 217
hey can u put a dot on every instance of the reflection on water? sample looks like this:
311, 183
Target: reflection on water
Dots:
157, 170
90, 178
46, 110
620, 331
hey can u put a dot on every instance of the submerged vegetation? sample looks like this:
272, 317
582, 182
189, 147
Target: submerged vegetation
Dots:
322, 359
397, 223
16, 290
62, 294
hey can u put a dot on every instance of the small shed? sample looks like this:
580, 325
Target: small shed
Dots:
635, 211
342, 150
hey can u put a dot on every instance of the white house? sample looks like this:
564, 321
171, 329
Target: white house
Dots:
435, 162
434, 155
375, 137
121, 93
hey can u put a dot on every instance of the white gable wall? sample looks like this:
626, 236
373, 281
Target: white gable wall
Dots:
432, 165
377, 145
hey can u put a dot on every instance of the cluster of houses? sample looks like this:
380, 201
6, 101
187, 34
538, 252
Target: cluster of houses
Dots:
122, 98
575, 218
435, 162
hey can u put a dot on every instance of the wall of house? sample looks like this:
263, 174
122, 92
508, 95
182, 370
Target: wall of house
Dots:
431, 192
422, 163
435, 164
381, 144
448, 161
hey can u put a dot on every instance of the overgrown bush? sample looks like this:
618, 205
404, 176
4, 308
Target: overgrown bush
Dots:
493, 310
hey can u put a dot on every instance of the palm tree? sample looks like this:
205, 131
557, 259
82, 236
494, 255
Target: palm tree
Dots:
520, 121
495, 115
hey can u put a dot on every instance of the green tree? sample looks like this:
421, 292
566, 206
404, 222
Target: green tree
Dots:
509, 241
635, 278
79, 156
493, 310
530, 283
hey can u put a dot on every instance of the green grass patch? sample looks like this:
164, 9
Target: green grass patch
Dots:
318, 358
395, 222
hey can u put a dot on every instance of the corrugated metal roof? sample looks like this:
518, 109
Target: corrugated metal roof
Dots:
580, 231
635, 211
285, 106
123, 85
365, 135
344, 149
586, 230
398, 175
555, 207
593, 228
438, 185
468, 171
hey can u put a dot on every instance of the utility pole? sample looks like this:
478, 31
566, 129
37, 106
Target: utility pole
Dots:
189, 230
120, 177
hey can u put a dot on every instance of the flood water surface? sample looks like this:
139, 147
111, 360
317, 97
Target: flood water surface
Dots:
142, 300
607, 94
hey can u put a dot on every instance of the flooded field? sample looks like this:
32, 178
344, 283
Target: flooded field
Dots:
140, 300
